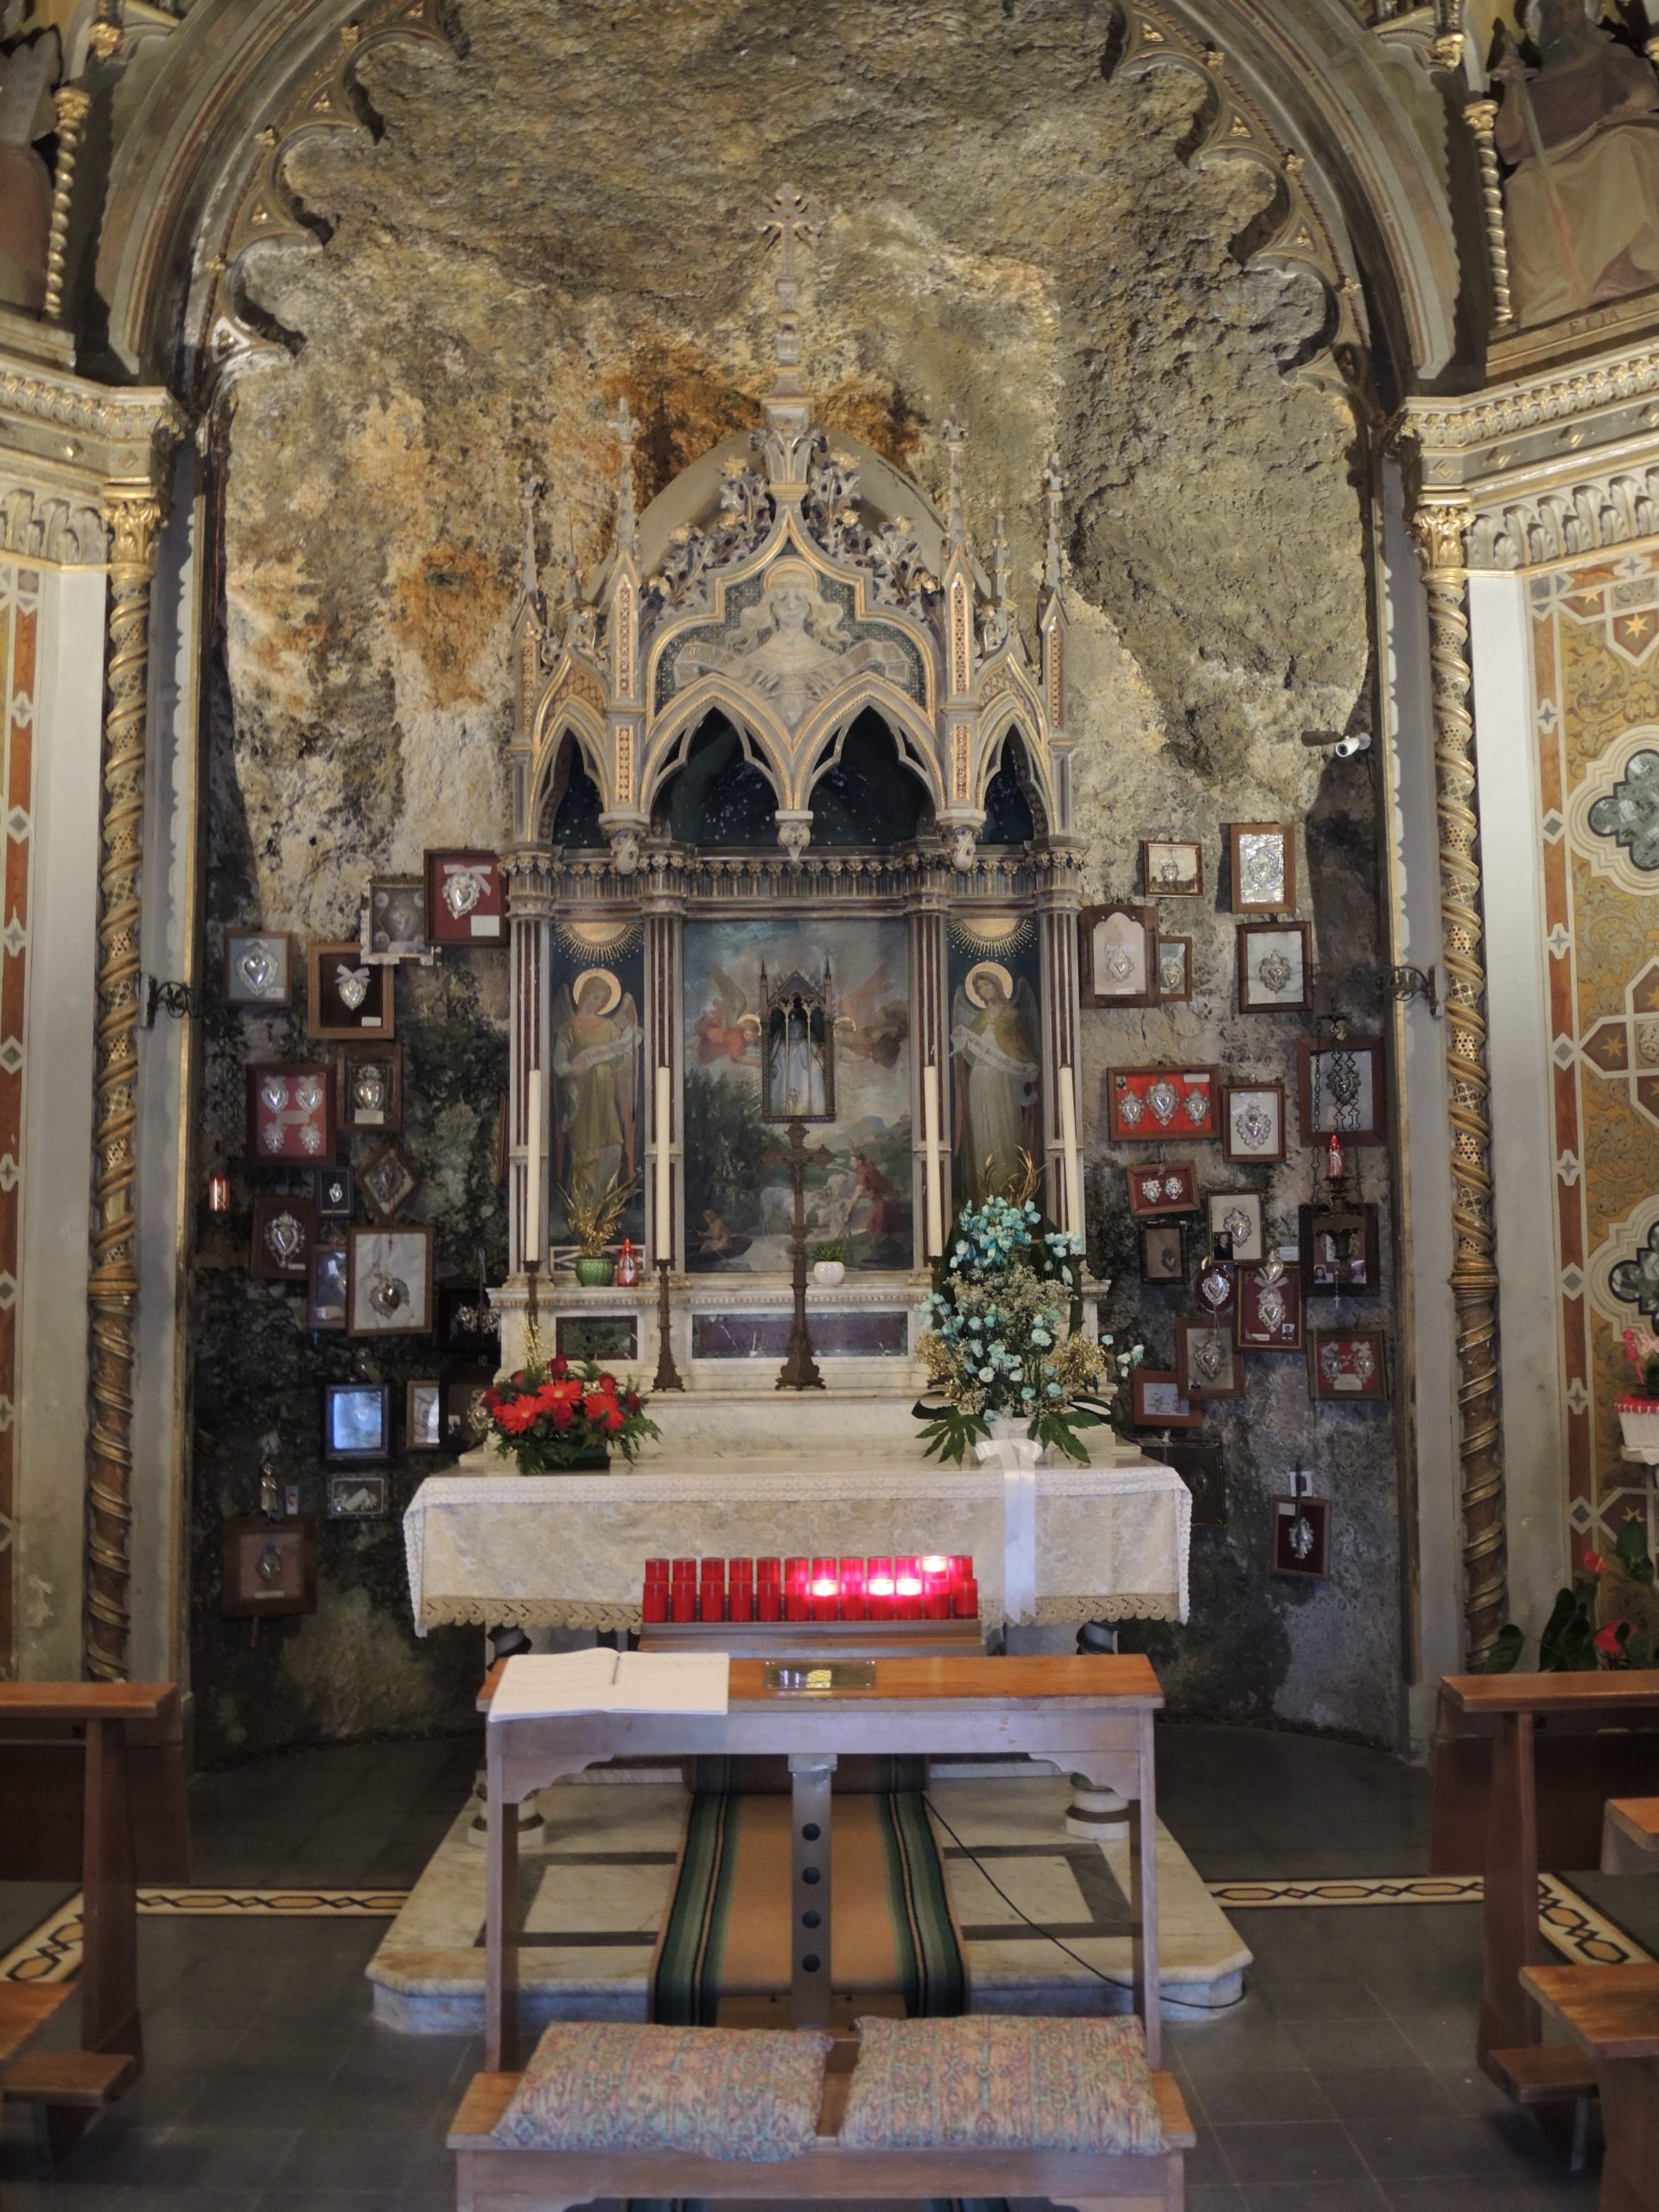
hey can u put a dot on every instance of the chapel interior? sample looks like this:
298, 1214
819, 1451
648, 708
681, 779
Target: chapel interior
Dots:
828, 1105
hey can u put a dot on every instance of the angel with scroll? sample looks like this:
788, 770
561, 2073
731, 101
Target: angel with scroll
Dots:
728, 1028
994, 1042
596, 1046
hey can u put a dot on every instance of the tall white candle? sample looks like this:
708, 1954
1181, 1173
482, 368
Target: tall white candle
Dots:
933, 1194
1068, 1148
662, 1228
533, 1239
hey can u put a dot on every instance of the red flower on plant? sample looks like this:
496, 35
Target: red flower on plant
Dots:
599, 1405
1594, 1563
1606, 1639
518, 1415
607, 1384
560, 1416
558, 1392
613, 1418
632, 1401
492, 1400
560, 1368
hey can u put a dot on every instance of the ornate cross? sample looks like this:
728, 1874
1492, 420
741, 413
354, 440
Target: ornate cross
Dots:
788, 214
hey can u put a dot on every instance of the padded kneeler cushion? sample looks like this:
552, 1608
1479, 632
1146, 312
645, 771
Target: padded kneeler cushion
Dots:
712, 2093
1001, 2083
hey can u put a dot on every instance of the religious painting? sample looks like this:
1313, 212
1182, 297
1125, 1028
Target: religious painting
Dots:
1275, 971
326, 1302
798, 1048
1119, 956
464, 900
389, 1182
423, 1417
1172, 868
1348, 1366
1302, 1536
1237, 1215
1199, 1467
356, 1420
1263, 867
596, 1056
1160, 1402
1270, 1316
1253, 1120
284, 1230
394, 919
350, 996
1207, 1364
1339, 1251
997, 1048
1342, 1088
291, 1114
740, 1204
359, 1497
389, 1282
1170, 1186
1156, 1102
258, 968
1174, 968
1163, 1251
369, 1085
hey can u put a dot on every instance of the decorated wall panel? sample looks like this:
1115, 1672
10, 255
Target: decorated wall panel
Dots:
597, 978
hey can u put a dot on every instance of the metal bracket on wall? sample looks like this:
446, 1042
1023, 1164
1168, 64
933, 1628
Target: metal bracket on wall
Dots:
1407, 983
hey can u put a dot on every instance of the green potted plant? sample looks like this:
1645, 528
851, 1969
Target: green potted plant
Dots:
829, 1265
556, 1418
595, 1218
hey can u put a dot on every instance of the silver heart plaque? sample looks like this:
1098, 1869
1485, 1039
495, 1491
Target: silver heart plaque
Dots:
388, 1294
1120, 963
1236, 1224
1253, 1127
352, 984
1276, 972
1215, 1288
463, 889
1270, 1307
1128, 1109
284, 1237
308, 1093
1163, 1098
274, 1093
1210, 1358
255, 968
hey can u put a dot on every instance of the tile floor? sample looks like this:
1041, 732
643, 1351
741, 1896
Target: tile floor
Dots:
1342, 2083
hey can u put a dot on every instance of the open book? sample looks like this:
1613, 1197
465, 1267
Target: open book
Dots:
612, 1682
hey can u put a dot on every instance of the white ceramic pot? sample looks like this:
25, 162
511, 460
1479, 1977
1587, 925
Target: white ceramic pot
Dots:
828, 1273
1011, 1428
1639, 1418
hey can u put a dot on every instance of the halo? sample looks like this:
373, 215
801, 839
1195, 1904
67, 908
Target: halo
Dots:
975, 988
597, 975
790, 569
598, 936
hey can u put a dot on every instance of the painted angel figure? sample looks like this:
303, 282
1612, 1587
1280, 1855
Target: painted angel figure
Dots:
728, 1028
993, 1044
597, 1042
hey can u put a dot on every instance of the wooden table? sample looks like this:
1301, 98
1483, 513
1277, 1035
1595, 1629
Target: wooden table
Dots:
1090, 1715
1612, 2015
1629, 1836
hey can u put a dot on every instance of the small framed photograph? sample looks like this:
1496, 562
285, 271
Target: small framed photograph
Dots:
1276, 970
423, 1417
369, 1081
1350, 1365
284, 1230
1174, 968
1159, 1402
464, 1428
1119, 946
388, 1182
1155, 1102
359, 1497
1270, 1317
291, 1114
1339, 1251
1302, 1536
389, 1282
1170, 1186
1198, 1466
1172, 868
1207, 1363
1342, 1089
325, 1308
1238, 1215
1264, 868
334, 1194
394, 919
258, 968
350, 996
356, 1420
1163, 1252
1217, 1285
464, 900
1253, 1120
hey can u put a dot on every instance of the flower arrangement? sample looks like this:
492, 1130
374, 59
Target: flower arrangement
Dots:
1638, 1410
1642, 1349
595, 1215
551, 1415
1003, 1335
1608, 1618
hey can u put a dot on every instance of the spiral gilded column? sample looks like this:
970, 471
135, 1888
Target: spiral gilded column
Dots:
1438, 527
1482, 119
134, 517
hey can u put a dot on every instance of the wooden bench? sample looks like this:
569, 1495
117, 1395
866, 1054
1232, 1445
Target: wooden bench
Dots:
1612, 2015
493, 2178
1629, 1836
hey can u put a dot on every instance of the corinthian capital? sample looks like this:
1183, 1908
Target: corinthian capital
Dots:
134, 522
1438, 528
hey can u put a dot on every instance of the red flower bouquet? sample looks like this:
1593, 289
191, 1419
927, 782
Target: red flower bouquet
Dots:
554, 1417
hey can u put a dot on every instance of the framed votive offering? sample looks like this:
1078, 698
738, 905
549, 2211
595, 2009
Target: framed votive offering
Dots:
394, 919
464, 1427
258, 968
284, 1230
1207, 1362
1172, 868
464, 904
389, 1282
1270, 1316
1163, 1251
349, 996
1302, 1536
388, 1182
359, 1497
267, 1566
326, 1307
291, 1114
1160, 1402
1168, 1186
1348, 1365
334, 1192
1342, 1089
369, 1085
1276, 970
1339, 1251
1119, 950
1237, 1215
1199, 1467
1217, 1285
1174, 968
1263, 867
1152, 1103
1253, 1121
423, 1417
356, 1420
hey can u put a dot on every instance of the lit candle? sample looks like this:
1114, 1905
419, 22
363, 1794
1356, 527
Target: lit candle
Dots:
662, 1227
879, 1591
825, 1593
533, 1239
930, 1181
1069, 1147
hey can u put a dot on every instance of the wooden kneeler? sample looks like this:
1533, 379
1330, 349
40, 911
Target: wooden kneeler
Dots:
495, 2177
1612, 2015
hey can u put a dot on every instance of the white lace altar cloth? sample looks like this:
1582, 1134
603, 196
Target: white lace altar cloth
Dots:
570, 1550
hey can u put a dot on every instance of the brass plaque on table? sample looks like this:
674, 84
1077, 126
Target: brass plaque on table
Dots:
806, 1680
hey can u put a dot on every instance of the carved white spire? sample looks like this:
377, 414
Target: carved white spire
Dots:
627, 429
954, 435
529, 493
788, 218
999, 561
1053, 496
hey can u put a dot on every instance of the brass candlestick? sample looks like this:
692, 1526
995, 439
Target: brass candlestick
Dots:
800, 1370
668, 1376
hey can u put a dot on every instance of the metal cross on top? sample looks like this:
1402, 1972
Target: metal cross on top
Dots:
788, 214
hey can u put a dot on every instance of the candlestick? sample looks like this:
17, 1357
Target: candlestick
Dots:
532, 1226
931, 1161
1068, 1148
662, 1226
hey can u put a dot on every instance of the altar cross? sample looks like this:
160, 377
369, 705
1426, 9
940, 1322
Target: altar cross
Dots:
787, 215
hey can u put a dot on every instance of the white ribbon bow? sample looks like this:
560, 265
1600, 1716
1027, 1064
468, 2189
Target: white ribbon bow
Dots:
1017, 1456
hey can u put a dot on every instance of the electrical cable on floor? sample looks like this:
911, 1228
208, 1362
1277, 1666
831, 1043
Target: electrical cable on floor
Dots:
1186, 2003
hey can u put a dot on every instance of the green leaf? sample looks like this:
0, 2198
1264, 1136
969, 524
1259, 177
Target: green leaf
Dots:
1565, 1646
1630, 1550
1505, 1655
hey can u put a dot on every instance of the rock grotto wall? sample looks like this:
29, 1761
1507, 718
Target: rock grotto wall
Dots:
561, 213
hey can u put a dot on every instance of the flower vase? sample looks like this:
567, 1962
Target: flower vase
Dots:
1639, 1418
828, 1274
1011, 1428
595, 1270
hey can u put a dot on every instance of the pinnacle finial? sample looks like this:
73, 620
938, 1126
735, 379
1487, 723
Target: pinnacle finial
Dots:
788, 217
954, 435
529, 493
999, 561
1053, 493
627, 426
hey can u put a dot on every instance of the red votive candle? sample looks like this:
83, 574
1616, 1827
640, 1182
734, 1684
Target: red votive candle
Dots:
685, 1570
967, 1598
878, 1594
794, 1572
768, 1570
741, 1601
742, 1570
653, 1606
826, 1592
685, 1601
821, 1567
656, 1570
907, 1591
796, 1602
962, 1569
769, 1601
908, 1563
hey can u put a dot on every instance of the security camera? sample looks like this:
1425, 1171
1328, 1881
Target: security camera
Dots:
1359, 740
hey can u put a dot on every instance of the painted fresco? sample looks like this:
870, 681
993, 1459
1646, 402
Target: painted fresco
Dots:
596, 1067
995, 1052
738, 1206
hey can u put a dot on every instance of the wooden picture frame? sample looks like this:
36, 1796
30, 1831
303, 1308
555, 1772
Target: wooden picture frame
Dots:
258, 968
1253, 1123
1199, 1467
1275, 968
423, 1415
1175, 970
1224, 1210
465, 901
325, 1305
462, 1430
1263, 867
1207, 1364
1217, 1288
369, 1086
334, 1192
1302, 1537
1163, 1251
389, 1282
1348, 1367
1168, 1186
1339, 1257
356, 1422
1118, 956
1318, 1083
290, 1113
335, 974
1149, 1105
285, 1236
267, 1566
359, 1497
1270, 1312
1159, 1402
1172, 868
388, 1182
394, 919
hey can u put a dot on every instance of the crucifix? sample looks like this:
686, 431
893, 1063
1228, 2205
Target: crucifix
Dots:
799, 1370
788, 214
